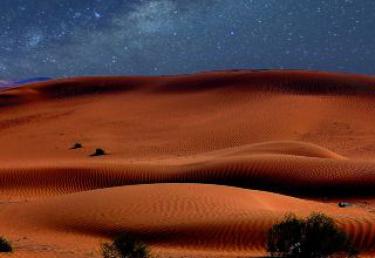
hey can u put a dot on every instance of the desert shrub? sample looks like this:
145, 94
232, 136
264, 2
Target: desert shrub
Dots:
315, 237
284, 238
125, 246
77, 145
109, 250
98, 152
5, 246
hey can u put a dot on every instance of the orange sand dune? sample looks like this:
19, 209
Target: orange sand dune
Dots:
306, 134
289, 167
202, 218
153, 120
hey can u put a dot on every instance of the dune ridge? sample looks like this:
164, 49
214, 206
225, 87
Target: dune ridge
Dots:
315, 172
284, 81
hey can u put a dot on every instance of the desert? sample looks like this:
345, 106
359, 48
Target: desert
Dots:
196, 165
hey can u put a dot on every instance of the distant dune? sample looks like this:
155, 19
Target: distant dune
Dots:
13, 83
197, 165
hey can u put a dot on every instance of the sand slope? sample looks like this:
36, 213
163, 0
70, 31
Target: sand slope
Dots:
144, 118
304, 134
300, 169
206, 218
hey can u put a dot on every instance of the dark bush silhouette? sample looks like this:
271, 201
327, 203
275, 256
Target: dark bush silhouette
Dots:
98, 152
284, 238
76, 146
316, 237
5, 246
125, 246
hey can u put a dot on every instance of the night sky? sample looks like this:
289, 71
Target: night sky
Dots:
94, 37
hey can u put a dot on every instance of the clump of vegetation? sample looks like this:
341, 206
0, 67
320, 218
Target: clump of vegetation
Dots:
98, 152
77, 145
125, 246
5, 246
315, 237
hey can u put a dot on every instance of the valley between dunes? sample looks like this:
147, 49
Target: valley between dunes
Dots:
197, 165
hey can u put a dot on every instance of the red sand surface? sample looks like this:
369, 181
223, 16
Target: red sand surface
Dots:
197, 166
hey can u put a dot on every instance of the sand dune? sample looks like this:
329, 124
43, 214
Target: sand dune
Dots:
283, 81
150, 121
187, 216
304, 134
291, 168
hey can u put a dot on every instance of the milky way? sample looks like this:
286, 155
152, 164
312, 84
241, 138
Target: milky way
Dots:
90, 37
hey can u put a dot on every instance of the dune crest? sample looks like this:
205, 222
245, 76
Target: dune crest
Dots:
271, 80
291, 168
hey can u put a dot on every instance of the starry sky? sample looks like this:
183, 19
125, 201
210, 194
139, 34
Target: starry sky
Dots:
59, 38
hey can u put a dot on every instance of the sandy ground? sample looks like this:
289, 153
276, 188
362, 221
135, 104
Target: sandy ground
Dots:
197, 165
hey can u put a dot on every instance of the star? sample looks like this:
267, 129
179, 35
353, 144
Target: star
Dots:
34, 40
97, 15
